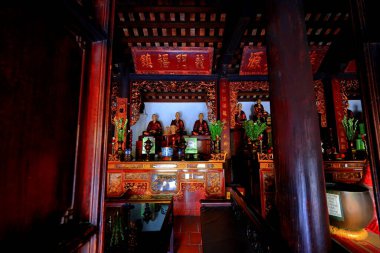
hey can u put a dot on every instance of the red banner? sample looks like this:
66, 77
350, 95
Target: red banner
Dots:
175, 61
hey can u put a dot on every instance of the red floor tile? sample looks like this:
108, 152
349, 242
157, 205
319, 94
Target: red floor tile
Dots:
187, 234
177, 225
181, 238
188, 249
190, 224
195, 238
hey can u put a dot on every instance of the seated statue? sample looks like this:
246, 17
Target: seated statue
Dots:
239, 115
259, 112
180, 126
200, 126
154, 127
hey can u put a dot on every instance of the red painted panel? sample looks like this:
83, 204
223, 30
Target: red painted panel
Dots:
339, 114
169, 60
351, 67
254, 59
316, 54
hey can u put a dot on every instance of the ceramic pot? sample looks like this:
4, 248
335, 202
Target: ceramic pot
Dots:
356, 208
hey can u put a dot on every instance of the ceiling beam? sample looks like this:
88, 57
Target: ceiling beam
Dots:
175, 9
339, 54
163, 24
170, 39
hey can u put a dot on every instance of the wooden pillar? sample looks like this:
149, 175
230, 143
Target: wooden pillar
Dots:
300, 187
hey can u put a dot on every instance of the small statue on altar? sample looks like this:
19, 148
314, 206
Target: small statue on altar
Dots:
239, 115
259, 112
154, 127
180, 126
200, 126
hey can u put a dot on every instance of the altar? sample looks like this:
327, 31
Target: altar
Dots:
196, 147
187, 181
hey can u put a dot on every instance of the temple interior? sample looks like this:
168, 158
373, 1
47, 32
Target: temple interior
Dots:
201, 126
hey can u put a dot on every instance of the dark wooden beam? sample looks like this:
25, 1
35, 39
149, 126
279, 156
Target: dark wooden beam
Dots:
167, 9
339, 53
81, 22
138, 77
170, 39
168, 25
232, 37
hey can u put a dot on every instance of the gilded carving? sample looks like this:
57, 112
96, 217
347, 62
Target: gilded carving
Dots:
343, 176
136, 176
114, 184
348, 87
265, 157
136, 187
188, 187
172, 86
192, 187
181, 61
321, 103
199, 61
213, 183
146, 61
163, 59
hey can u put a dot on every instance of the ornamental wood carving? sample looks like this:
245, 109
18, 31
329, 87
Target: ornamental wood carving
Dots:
321, 102
213, 183
342, 90
114, 184
138, 87
136, 187
236, 87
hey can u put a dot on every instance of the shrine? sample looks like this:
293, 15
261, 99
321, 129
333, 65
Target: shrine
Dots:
190, 126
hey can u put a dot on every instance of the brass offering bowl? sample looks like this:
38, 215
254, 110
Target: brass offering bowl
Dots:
355, 204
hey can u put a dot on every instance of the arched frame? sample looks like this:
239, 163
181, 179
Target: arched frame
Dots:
139, 87
262, 87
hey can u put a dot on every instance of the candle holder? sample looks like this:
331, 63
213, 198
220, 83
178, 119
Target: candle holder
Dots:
181, 149
148, 145
120, 152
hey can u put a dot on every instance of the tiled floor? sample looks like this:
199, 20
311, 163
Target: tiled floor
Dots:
187, 234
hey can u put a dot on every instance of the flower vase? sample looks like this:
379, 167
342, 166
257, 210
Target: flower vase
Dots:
351, 151
120, 152
216, 145
148, 145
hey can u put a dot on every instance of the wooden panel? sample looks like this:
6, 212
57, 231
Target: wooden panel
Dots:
40, 75
190, 182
